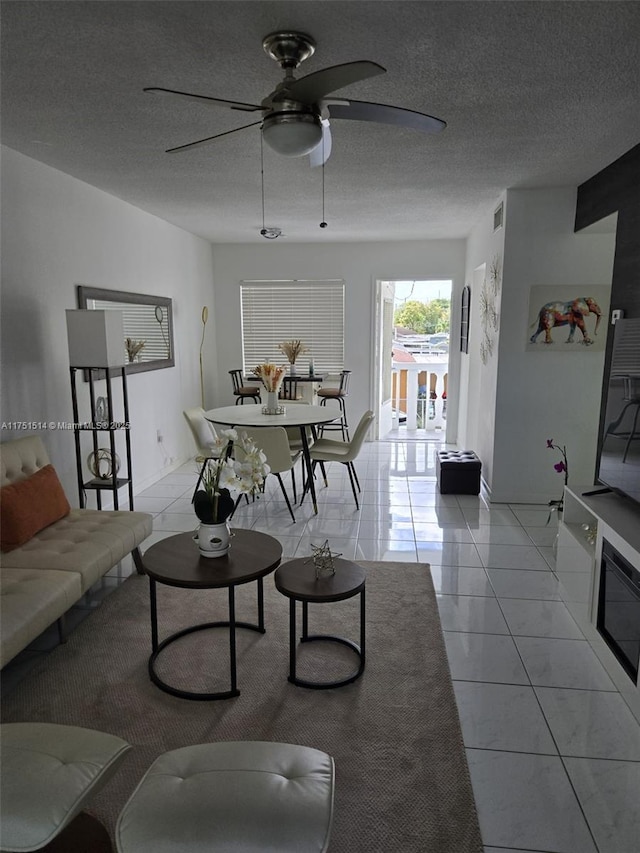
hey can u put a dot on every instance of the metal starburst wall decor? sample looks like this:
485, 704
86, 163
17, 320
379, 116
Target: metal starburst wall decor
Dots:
489, 314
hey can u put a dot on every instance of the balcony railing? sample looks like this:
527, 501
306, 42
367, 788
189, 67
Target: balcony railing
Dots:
419, 394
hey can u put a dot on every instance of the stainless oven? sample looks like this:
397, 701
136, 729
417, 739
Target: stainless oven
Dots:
618, 618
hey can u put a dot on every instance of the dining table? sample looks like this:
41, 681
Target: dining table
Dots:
294, 415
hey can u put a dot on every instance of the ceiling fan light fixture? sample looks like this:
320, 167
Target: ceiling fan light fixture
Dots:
292, 134
271, 233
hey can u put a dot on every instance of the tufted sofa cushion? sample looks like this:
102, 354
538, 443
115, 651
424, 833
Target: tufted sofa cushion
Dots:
30, 600
87, 541
22, 458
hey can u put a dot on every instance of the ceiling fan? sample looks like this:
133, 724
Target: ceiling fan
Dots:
295, 116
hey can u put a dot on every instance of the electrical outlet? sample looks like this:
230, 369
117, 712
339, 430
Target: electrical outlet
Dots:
158, 436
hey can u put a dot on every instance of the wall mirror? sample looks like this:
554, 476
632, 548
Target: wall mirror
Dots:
148, 325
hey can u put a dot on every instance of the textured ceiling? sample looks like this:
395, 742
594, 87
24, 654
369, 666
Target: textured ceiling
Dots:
535, 94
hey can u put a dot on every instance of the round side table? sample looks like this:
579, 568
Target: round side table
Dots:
176, 562
297, 580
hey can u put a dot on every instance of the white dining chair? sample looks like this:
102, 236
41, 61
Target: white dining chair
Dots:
293, 433
274, 444
204, 436
345, 452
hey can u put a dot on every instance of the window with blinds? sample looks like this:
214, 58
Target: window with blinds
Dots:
311, 311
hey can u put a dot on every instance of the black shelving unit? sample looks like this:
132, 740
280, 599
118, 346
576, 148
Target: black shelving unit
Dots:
99, 428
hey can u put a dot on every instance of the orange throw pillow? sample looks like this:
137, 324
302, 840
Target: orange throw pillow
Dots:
30, 505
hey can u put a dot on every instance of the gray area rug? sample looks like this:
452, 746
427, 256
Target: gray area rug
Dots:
402, 782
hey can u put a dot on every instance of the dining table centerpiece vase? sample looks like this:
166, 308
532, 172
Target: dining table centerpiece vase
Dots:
213, 503
271, 376
292, 349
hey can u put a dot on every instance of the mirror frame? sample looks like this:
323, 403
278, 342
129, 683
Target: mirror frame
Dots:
86, 294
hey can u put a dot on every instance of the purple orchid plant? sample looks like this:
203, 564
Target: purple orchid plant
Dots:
562, 467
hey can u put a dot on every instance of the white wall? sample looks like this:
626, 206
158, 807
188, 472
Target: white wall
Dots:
359, 264
478, 380
519, 399
546, 394
58, 232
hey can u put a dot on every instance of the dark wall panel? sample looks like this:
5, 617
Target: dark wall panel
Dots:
626, 265
616, 188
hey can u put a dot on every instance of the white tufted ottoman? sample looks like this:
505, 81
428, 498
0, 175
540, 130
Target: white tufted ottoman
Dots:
48, 772
232, 796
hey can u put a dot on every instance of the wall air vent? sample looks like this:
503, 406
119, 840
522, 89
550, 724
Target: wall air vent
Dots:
497, 216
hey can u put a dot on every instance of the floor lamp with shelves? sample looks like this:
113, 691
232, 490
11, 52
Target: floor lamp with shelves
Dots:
96, 350
98, 426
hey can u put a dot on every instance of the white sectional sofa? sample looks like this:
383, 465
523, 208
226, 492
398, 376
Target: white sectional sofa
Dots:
41, 578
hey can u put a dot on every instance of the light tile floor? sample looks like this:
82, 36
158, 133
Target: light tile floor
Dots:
553, 749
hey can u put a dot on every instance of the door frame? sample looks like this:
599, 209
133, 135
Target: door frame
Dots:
453, 385
382, 408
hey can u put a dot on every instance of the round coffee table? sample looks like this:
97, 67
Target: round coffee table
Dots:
297, 580
176, 561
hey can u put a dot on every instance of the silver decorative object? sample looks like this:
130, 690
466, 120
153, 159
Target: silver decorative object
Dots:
591, 533
102, 410
323, 559
102, 465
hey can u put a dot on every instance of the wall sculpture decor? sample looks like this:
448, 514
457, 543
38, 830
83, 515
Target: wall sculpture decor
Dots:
490, 309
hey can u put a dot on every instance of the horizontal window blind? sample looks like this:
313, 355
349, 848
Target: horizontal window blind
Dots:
311, 311
141, 324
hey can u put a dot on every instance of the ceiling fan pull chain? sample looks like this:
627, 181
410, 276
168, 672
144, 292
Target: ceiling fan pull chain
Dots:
323, 224
267, 233
264, 230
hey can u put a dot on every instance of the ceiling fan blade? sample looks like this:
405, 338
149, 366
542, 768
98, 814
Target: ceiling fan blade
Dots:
364, 111
234, 105
210, 138
313, 87
321, 152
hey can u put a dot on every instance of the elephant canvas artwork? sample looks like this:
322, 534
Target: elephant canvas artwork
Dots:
568, 319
